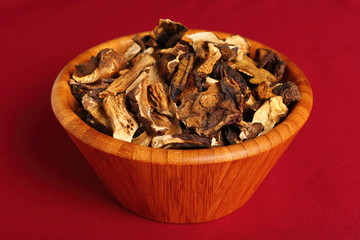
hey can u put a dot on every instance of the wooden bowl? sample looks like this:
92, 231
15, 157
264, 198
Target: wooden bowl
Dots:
179, 186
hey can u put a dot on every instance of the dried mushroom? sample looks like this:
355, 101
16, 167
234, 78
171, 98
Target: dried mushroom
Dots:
177, 141
270, 113
173, 91
121, 121
106, 64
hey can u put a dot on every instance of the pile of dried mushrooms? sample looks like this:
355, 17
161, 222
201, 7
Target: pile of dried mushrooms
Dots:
171, 90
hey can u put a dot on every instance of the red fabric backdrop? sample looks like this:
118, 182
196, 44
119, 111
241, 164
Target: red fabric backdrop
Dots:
48, 191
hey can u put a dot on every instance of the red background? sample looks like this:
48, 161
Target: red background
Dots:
47, 189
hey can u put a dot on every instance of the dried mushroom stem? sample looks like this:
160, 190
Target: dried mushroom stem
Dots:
94, 108
122, 122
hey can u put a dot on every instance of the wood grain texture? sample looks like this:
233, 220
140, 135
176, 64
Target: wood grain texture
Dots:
179, 186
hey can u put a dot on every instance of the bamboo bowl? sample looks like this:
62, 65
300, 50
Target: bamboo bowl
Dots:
179, 186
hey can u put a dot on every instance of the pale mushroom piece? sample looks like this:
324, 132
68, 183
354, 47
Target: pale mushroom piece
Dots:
212, 57
241, 43
121, 121
270, 113
132, 51
204, 37
109, 63
120, 84
94, 108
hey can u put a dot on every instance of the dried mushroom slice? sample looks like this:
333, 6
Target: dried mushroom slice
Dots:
154, 123
259, 75
243, 47
95, 109
251, 130
121, 121
289, 91
208, 111
265, 91
80, 89
180, 141
107, 63
168, 33
270, 61
132, 51
212, 56
120, 84
270, 113
143, 139
160, 101
179, 79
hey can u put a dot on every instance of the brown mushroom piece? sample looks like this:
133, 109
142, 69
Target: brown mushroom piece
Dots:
106, 64
168, 33
121, 121
120, 84
80, 89
270, 113
289, 91
180, 77
251, 130
181, 141
196, 108
270, 61
264, 91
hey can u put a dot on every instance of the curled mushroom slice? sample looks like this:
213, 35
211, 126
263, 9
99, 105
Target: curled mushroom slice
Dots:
199, 42
168, 33
107, 63
270, 113
259, 75
94, 108
179, 141
251, 130
121, 121
120, 84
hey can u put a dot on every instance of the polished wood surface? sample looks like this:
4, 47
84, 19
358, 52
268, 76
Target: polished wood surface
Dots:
179, 186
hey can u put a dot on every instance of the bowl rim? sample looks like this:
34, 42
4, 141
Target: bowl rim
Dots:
61, 102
